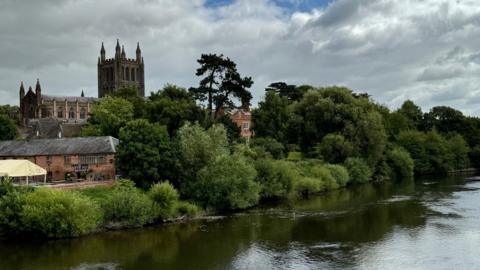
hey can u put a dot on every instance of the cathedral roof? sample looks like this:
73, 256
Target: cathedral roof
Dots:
62, 146
69, 99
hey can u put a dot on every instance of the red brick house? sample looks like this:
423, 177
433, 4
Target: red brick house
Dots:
89, 158
243, 119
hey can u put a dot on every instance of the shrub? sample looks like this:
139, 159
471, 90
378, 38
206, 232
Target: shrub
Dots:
269, 145
11, 206
322, 174
294, 156
276, 178
358, 170
334, 148
165, 196
188, 209
339, 173
308, 185
56, 213
227, 183
400, 163
128, 206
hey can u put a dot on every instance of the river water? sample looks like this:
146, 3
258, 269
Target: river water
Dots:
430, 224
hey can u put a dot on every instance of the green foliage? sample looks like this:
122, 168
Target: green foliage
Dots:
165, 196
128, 206
188, 209
221, 82
294, 156
459, 151
8, 130
108, 117
429, 151
413, 114
358, 170
322, 174
197, 148
474, 156
269, 147
401, 163
291, 92
276, 178
173, 106
131, 94
12, 201
271, 118
308, 185
55, 213
339, 173
145, 153
233, 131
227, 184
334, 148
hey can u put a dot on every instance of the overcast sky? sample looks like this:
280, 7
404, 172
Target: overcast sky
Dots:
424, 50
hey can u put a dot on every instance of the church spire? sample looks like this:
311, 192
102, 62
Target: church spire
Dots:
82, 94
139, 52
102, 53
38, 89
117, 49
22, 90
123, 52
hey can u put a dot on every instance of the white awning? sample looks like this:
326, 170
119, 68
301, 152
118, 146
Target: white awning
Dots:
19, 168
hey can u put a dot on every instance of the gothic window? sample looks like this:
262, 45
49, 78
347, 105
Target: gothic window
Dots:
71, 113
31, 113
123, 73
127, 71
45, 113
82, 113
133, 74
59, 112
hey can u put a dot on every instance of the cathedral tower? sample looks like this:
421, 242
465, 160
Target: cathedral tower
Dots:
120, 71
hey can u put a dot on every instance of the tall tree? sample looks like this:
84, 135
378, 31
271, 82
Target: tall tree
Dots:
8, 131
221, 83
290, 91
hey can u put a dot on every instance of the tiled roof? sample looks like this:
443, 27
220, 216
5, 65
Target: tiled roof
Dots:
62, 146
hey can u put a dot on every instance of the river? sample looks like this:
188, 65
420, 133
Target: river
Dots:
430, 224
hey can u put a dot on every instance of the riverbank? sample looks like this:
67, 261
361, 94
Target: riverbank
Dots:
387, 224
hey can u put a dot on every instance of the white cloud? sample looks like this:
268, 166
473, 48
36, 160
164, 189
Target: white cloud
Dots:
393, 49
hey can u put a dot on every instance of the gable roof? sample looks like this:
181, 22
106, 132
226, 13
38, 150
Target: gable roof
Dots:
62, 146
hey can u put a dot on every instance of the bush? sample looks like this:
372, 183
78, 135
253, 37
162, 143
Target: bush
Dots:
334, 148
269, 145
276, 178
55, 213
188, 209
358, 170
339, 173
11, 206
308, 185
128, 206
294, 156
165, 196
227, 184
401, 163
322, 174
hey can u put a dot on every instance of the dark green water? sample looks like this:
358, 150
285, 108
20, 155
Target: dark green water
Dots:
427, 225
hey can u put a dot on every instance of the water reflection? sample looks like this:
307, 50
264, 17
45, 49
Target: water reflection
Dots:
378, 226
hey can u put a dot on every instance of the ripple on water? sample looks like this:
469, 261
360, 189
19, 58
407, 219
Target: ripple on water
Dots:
97, 266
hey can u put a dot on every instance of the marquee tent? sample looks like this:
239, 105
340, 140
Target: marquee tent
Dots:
21, 168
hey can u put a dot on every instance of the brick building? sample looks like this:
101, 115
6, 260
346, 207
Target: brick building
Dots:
89, 158
243, 118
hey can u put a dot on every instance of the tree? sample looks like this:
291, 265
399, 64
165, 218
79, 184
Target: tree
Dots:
460, 150
412, 112
221, 82
131, 94
227, 184
334, 148
173, 106
145, 153
271, 118
197, 148
290, 91
445, 120
108, 116
8, 130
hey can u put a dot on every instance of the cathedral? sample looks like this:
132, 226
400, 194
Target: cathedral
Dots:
113, 74
120, 71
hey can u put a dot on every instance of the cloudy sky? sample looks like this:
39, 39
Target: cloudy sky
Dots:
424, 50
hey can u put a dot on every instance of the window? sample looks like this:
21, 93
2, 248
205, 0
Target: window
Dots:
82, 113
67, 160
71, 113
49, 160
246, 125
92, 159
133, 74
127, 71
60, 112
